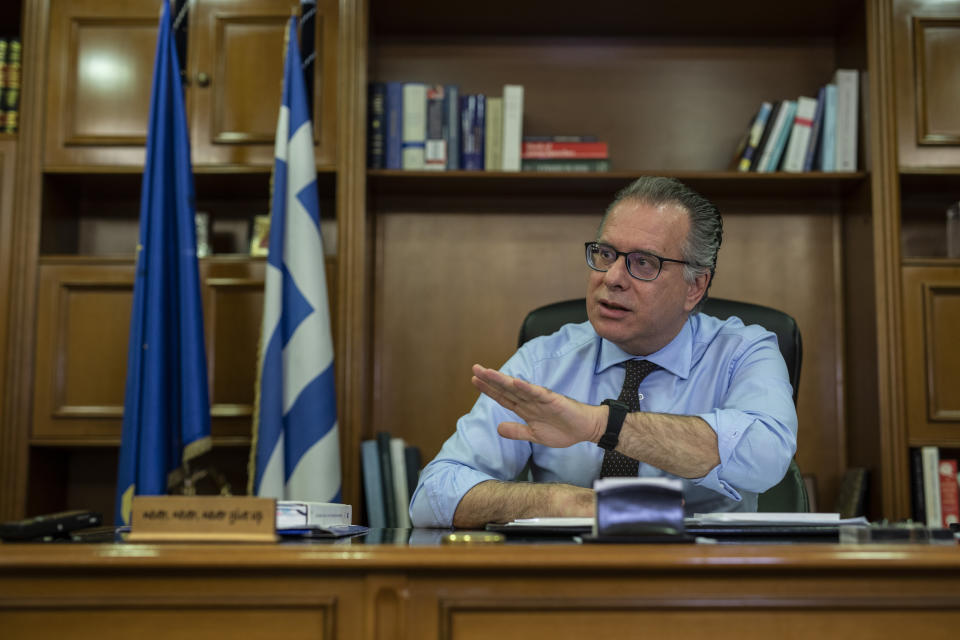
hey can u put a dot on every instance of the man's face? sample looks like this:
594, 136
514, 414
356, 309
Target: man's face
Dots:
640, 316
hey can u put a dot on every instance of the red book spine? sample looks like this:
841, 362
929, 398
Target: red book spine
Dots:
949, 493
551, 150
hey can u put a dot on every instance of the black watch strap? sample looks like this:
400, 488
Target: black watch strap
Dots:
618, 413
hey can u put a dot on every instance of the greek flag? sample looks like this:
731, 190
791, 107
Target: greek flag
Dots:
296, 452
166, 409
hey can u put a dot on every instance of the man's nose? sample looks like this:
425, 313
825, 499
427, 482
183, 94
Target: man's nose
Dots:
617, 274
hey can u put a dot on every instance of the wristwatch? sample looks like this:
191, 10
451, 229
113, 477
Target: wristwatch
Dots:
618, 413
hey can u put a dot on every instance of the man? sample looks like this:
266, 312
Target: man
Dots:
715, 402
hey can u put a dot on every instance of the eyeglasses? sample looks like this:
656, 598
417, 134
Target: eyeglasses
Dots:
642, 265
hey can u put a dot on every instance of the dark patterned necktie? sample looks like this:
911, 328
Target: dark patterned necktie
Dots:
616, 464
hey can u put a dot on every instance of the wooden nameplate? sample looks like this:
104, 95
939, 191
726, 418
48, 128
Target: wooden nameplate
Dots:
203, 519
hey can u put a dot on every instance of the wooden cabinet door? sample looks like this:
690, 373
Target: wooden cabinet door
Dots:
927, 64
931, 329
236, 62
99, 73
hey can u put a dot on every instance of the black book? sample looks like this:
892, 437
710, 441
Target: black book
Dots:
386, 477
771, 122
919, 511
411, 456
376, 126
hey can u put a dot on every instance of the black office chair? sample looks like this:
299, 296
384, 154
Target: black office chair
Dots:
789, 494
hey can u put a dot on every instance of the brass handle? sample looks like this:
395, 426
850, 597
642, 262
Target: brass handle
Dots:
203, 79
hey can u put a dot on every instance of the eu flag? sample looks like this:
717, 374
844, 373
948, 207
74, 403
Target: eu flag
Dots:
166, 412
296, 453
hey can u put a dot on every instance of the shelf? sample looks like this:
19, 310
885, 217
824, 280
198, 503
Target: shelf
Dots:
711, 183
750, 18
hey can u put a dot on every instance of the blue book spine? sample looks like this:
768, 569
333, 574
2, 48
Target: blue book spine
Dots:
472, 121
372, 484
813, 146
394, 118
828, 151
784, 133
451, 125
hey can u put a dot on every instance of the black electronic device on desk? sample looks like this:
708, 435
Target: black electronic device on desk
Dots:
49, 527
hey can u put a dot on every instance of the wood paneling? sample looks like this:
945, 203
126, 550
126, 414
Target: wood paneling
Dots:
927, 71
425, 591
8, 157
83, 325
931, 314
101, 70
98, 81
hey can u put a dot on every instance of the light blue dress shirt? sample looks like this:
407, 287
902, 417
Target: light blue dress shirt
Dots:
732, 376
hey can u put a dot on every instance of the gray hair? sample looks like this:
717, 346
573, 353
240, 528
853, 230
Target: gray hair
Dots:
706, 225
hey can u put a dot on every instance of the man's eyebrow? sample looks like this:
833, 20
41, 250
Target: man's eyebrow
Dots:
647, 251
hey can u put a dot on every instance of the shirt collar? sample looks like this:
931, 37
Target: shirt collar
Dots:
676, 357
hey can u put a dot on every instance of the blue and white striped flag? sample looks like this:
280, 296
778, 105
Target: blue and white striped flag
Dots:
296, 453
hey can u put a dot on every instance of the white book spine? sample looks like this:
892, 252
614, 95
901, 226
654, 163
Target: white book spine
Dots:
398, 466
512, 126
800, 135
931, 485
414, 129
848, 85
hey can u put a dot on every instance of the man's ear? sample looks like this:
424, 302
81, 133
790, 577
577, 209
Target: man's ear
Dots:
696, 290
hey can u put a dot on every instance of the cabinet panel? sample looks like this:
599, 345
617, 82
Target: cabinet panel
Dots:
83, 328
931, 344
98, 81
100, 71
927, 76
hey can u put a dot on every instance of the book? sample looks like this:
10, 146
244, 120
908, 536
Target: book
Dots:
949, 493
918, 512
828, 147
11, 92
512, 126
398, 466
393, 139
4, 44
386, 479
852, 499
765, 136
772, 154
376, 125
472, 123
300, 514
435, 148
372, 484
751, 138
451, 125
848, 90
931, 485
493, 135
800, 135
564, 150
560, 138
414, 126
812, 154
588, 165
413, 462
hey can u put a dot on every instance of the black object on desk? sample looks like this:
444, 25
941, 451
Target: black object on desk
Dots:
49, 527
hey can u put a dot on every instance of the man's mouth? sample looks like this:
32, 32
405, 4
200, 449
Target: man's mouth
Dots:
613, 306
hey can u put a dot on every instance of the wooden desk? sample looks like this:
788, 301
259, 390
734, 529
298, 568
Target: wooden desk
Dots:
499, 592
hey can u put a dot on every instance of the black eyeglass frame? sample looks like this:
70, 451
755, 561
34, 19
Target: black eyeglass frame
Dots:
626, 261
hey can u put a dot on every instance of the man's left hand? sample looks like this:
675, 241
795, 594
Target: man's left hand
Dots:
551, 419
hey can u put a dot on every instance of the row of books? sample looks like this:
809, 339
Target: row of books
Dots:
391, 468
415, 126
805, 134
10, 73
935, 487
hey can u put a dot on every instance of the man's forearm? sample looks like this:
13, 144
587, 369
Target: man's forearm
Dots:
495, 501
685, 446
